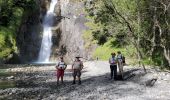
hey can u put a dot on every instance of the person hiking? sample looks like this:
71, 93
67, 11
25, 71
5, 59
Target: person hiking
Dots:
60, 67
77, 66
113, 66
120, 63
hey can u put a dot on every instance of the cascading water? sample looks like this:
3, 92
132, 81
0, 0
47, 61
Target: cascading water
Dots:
45, 51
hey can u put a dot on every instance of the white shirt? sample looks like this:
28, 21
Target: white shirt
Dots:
61, 65
113, 60
77, 65
119, 57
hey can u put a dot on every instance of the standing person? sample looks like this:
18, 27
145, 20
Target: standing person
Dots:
61, 66
77, 67
113, 65
120, 63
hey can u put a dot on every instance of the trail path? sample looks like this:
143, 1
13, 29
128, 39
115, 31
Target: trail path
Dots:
39, 83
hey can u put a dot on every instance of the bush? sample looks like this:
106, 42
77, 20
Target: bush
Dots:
103, 52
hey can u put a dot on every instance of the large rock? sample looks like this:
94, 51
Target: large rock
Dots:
29, 34
69, 31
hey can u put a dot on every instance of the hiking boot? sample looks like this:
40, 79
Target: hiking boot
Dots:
79, 82
110, 78
115, 78
122, 78
74, 82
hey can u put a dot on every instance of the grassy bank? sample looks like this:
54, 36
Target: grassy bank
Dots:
103, 52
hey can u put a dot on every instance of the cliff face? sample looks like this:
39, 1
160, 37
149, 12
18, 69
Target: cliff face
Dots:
67, 32
30, 33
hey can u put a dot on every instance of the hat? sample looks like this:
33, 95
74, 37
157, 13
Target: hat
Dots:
77, 56
118, 52
61, 57
113, 53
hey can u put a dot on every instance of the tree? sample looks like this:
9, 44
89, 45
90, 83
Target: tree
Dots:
145, 24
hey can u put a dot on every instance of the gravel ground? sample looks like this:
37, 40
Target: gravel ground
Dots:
39, 83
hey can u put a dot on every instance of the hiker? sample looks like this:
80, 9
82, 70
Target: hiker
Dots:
113, 66
76, 68
61, 66
120, 63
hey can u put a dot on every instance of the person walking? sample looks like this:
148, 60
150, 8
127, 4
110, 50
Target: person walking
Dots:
60, 67
113, 66
77, 67
120, 63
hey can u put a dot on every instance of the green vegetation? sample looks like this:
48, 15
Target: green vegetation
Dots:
125, 24
7, 84
3, 72
11, 16
103, 52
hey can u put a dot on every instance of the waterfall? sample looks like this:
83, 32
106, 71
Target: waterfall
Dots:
45, 51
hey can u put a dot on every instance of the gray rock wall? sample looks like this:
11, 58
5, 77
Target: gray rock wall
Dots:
67, 32
29, 35
71, 42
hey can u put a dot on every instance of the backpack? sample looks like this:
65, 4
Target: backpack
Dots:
123, 59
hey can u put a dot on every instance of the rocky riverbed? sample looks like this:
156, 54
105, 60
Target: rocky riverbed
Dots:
39, 83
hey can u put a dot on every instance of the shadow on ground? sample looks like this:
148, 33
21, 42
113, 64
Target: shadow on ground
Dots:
35, 86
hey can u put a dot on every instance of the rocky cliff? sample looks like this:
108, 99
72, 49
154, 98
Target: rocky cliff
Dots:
28, 36
67, 31
68, 40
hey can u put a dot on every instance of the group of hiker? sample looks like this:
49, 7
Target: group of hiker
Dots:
116, 61
77, 66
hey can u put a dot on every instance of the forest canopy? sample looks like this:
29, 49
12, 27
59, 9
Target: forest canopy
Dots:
144, 24
11, 16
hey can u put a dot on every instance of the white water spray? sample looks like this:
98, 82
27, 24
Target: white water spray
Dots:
45, 51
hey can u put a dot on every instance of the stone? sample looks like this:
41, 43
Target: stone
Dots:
151, 82
10, 77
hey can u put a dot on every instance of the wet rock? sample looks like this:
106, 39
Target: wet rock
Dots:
150, 82
10, 77
25, 83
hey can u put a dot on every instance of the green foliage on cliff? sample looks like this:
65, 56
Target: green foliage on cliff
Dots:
11, 17
142, 24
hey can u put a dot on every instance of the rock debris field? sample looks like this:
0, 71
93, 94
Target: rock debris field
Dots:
39, 83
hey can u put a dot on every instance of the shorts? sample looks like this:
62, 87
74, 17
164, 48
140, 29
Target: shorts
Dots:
60, 72
76, 72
